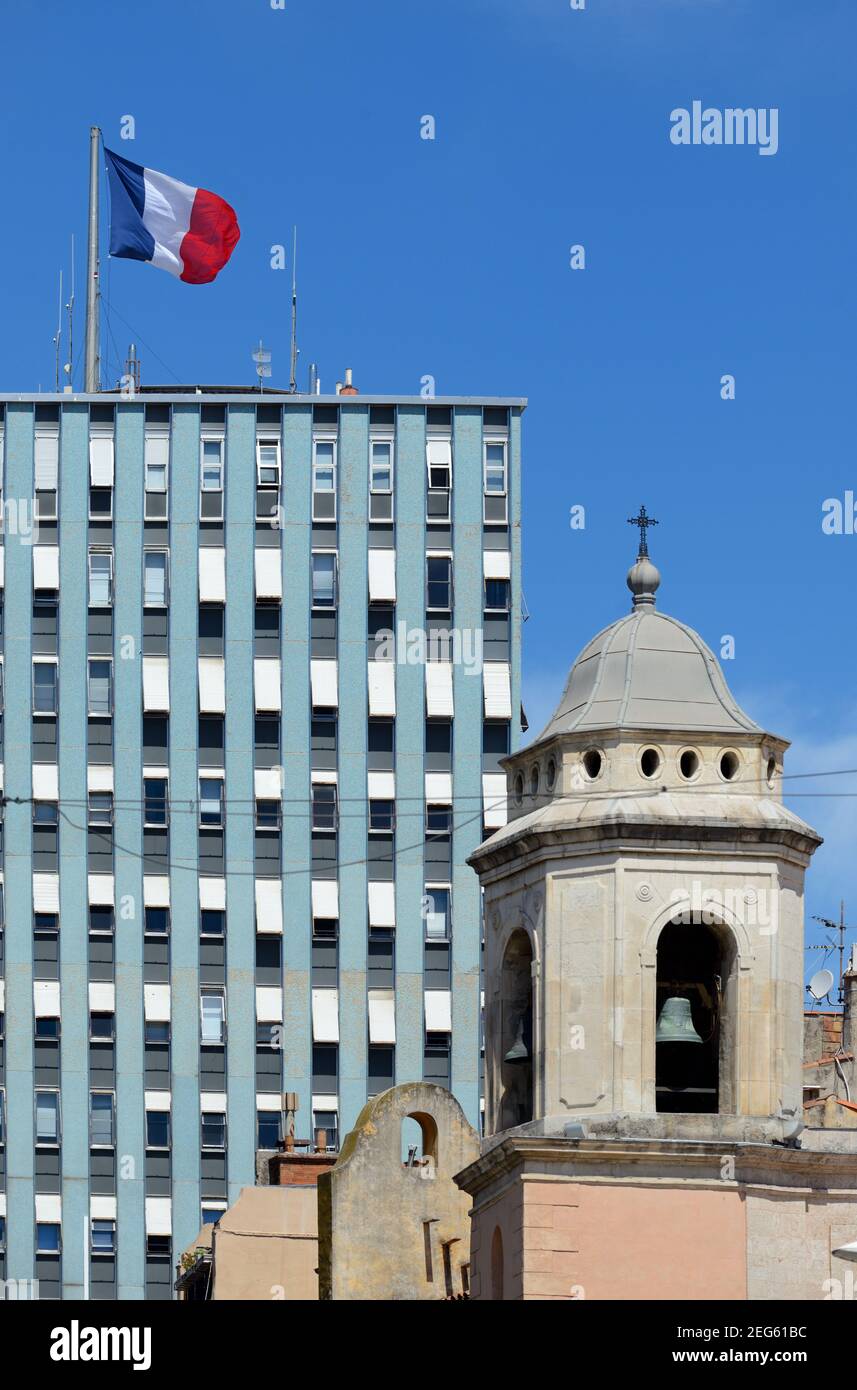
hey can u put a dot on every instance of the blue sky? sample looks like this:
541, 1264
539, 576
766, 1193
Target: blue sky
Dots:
451, 257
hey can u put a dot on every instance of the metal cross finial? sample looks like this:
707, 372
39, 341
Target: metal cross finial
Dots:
643, 520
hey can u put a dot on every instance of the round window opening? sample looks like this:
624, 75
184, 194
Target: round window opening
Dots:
519, 788
729, 765
650, 761
551, 775
534, 782
592, 762
688, 763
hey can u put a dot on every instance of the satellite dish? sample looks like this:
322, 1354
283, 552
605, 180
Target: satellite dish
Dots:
821, 984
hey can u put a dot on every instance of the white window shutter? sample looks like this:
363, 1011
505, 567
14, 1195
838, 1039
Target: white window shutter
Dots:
269, 572
439, 788
325, 899
101, 460
382, 903
324, 679
46, 460
494, 810
325, 1015
382, 689
156, 1003
102, 997
439, 701
498, 690
46, 892
497, 564
382, 1016
268, 783
212, 685
269, 1004
381, 786
46, 567
269, 907
439, 452
212, 894
99, 778
212, 574
46, 998
382, 576
156, 890
438, 1006
45, 782
266, 682
156, 684
101, 889
159, 1216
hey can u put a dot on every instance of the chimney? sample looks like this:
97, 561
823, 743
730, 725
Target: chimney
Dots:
849, 1005
349, 389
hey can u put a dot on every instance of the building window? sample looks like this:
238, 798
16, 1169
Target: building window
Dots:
102, 921
495, 481
438, 821
46, 923
100, 810
439, 583
45, 814
102, 1028
211, 480
324, 480
212, 1006
157, 456
268, 1129
155, 802
156, 1032
155, 579
100, 686
101, 1127
47, 1117
48, 1240
103, 1237
45, 687
382, 816
100, 578
212, 922
211, 802
328, 1120
439, 460
47, 1029
213, 1129
157, 1129
496, 595
157, 921
437, 912
267, 477
268, 815
380, 480
324, 579
324, 814
2, 1114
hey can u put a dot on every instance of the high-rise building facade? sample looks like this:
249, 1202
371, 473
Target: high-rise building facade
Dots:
260, 661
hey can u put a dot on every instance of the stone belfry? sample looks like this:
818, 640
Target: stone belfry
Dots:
644, 971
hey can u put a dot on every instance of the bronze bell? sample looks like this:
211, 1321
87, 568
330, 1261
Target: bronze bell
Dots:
519, 1051
675, 1024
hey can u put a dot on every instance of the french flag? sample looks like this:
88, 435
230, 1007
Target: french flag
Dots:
187, 231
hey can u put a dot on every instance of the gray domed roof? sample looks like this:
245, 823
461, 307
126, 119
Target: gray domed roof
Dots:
648, 671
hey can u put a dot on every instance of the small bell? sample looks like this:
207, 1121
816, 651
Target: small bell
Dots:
519, 1051
675, 1024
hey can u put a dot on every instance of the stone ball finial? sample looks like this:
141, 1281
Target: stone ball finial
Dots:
643, 581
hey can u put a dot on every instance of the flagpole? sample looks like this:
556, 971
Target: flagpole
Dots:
92, 372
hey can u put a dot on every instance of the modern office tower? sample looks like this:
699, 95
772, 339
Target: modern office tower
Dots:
261, 659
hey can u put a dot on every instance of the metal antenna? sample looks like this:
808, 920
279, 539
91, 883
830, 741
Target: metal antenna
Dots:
840, 928
262, 358
58, 338
69, 366
92, 375
294, 356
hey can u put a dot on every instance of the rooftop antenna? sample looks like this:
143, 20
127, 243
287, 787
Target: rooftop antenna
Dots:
294, 356
58, 338
92, 378
68, 369
840, 928
262, 358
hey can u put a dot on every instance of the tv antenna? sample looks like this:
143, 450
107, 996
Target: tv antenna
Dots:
57, 338
262, 358
294, 352
839, 928
68, 369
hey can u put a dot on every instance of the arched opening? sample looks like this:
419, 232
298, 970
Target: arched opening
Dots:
695, 1011
516, 1034
419, 1140
497, 1266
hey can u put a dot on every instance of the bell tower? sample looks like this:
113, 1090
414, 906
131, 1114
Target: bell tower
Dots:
644, 903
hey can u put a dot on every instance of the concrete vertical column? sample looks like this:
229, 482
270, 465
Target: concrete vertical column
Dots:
20, 1131
184, 823
240, 821
128, 849
74, 901
353, 729
516, 594
297, 915
410, 503
466, 756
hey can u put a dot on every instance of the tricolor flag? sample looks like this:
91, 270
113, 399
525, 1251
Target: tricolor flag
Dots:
187, 231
